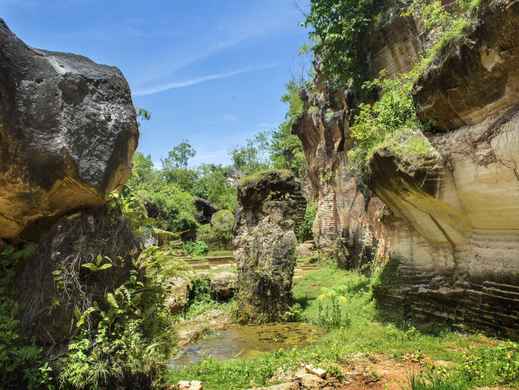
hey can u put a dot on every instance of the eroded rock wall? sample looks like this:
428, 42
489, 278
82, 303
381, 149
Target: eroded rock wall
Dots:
447, 221
455, 225
347, 224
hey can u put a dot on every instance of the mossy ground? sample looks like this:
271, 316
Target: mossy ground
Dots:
472, 359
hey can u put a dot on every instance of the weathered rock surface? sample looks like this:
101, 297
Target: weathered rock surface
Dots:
270, 207
67, 133
306, 378
54, 283
477, 77
178, 294
347, 224
454, 233
189, 385
223, 286
450, 229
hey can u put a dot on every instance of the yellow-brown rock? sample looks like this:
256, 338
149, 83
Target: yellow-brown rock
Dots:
68, 131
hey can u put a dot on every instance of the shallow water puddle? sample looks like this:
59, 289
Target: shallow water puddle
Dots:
247, 342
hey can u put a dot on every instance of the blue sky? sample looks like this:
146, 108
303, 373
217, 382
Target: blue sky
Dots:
210, 71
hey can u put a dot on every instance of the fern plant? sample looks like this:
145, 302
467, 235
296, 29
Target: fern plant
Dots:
101, 263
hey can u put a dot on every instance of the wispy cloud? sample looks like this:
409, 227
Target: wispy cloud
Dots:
199, 80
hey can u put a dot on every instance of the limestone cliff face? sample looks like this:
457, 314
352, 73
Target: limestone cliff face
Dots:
455, 230
347, 224
349, 218
451, 225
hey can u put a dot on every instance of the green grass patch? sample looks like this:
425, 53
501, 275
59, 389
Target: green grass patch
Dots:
364, 333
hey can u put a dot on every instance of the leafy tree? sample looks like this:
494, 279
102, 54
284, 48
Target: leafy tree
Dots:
175, 166
286, 149
254, 155
214, 185
339, 28
179, 156
184, 178
143, 170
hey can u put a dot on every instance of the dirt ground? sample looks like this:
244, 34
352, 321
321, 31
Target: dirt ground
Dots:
379, 372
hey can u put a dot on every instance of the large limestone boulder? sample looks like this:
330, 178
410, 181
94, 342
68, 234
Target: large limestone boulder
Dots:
67, 133
223, 286
271, 205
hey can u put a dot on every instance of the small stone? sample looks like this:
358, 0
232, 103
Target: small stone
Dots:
178, 296
282, 386
315, 371
310, 381
189, 385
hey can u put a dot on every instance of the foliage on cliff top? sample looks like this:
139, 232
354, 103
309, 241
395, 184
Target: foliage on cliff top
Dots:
254, 179
391, 121
339, 29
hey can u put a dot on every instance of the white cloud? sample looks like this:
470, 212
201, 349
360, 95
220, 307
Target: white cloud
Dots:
198, 80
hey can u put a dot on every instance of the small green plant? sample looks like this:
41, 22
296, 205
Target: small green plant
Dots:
295, 314
331, 313
21, 363
101, 263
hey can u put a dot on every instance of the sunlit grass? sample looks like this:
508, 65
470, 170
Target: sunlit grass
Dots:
366, 334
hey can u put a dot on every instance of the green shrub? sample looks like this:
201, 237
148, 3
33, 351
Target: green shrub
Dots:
393, 113
196, 248
124, 340
219, 233
482, 367
331, 304
304, 231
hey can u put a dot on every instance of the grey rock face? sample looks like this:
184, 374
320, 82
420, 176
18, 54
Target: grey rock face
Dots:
68, 131
270, 207
54, 283
223, 286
